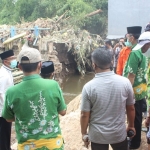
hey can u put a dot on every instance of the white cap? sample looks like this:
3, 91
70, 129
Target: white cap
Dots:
143, 39
32, 54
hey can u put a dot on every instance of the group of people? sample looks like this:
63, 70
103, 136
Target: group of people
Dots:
36, 103
111, 94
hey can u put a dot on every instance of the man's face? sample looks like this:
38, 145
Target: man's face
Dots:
107, 45
8, 60
146, 47
121, 40
130, 38
126, 37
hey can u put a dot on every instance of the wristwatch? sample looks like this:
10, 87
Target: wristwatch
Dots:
85, 137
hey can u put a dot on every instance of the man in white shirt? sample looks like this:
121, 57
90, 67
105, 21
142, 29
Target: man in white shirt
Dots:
6, 80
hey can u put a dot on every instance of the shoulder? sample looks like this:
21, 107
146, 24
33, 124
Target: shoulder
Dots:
11, 89
49, 83
2, 71
123, 82
89, 84
3, 74
124, 79
121, 79
136, 52
125, 50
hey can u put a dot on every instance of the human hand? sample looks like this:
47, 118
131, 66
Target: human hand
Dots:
132, 129
86, 141
147, 121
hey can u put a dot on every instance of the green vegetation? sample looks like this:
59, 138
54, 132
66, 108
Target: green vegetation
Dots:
16, 11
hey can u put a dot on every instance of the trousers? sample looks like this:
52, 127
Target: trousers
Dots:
5, 134
136, 140
118, 146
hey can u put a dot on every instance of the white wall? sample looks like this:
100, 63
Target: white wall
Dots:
125, 13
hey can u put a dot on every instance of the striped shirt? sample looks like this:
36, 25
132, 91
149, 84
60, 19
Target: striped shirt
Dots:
106, 97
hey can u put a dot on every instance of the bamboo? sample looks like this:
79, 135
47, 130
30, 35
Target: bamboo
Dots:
94, 13
14, 38
61, 17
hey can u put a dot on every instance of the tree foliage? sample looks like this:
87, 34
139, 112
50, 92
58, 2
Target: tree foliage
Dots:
13, 11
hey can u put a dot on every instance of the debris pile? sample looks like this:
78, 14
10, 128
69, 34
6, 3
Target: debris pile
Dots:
46, 35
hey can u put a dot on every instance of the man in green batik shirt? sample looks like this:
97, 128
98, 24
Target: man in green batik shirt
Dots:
147, 29
135, 71
130, 72
35, 105
148, 82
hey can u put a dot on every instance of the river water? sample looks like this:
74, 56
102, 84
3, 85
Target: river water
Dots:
72, 85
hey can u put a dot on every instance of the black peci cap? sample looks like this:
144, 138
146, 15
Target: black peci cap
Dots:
6, 54
47, 67
134, 30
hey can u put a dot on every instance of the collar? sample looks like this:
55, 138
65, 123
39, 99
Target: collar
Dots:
6, 68
133, 46
35, 76
108, 73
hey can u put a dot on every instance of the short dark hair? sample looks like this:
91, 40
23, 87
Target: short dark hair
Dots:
108, 42
46, 76
28, 67
136, 36
102, 57
121, 38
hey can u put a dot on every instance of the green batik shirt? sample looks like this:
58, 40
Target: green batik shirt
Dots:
148, 82
137, 64
35, 103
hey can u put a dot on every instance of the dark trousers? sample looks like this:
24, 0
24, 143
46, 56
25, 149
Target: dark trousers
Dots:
118, 146
5, 133
114, 69
136, 141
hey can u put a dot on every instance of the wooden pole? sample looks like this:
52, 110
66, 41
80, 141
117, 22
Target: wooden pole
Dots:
94, 13
14, 38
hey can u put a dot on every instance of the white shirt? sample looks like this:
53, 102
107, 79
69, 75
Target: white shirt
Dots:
6, 80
